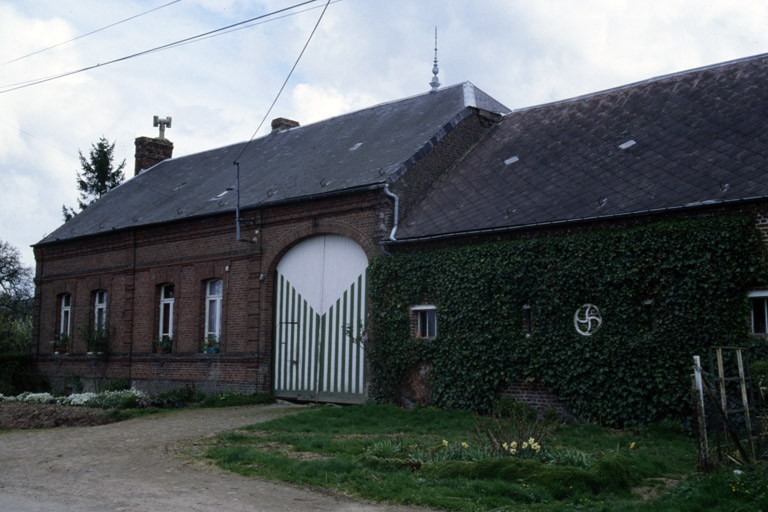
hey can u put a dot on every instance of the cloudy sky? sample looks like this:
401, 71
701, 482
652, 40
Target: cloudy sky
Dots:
364, 52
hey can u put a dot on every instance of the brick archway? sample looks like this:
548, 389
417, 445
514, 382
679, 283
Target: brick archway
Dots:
284, 243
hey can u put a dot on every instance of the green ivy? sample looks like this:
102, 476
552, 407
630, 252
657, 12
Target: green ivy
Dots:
666, 291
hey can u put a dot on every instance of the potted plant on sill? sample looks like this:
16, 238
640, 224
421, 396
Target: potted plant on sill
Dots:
60, 343
211, 345
163, 345
96, 340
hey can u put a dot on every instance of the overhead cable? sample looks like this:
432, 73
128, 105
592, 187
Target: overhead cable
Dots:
29, 83
285, 82
90, 33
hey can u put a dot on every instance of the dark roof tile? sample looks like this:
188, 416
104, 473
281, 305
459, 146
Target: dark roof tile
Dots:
699, 136
301, 162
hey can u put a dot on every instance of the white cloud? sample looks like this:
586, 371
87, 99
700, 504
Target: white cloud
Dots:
365, 52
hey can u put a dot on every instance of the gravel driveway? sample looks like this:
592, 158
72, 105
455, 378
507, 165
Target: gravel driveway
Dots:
131, 466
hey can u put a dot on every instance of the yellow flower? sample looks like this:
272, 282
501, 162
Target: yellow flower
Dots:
632, 446
445, 443
464, 445
525, 445
505, 446
536, 446
514, 445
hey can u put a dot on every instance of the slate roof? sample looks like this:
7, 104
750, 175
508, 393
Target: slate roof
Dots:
364, 148
674, 142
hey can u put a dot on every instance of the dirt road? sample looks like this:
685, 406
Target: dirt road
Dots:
131, 466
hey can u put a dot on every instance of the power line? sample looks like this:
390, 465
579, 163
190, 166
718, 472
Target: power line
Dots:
235, 162
258, 23
29, 83
39, 139
284, 83
90, 33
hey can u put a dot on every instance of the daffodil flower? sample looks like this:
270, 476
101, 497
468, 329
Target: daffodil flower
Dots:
505, 446
525, 445
632, 446
514, 445
445, 443
531, 440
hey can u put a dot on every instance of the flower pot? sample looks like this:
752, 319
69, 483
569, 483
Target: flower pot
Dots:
158, 349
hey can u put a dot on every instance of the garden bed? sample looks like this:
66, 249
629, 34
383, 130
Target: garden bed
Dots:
21, 415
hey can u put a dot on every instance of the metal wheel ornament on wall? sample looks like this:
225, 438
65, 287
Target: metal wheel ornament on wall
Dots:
587, 319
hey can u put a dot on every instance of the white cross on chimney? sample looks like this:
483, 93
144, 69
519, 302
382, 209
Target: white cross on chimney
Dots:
162, 123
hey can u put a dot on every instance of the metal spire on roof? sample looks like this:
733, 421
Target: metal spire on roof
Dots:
435, 83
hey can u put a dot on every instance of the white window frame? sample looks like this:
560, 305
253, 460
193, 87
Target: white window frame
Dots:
213, 300
65, 318
762, 294
100, 310
166, 301
422, 314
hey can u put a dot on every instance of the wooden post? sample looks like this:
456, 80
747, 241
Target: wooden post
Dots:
703, 462
723, 396
744, 401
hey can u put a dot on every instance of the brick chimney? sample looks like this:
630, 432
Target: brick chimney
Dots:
151, 151
281, 124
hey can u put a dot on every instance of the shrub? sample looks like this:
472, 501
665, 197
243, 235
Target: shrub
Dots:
117, 385
18, 374
513, 429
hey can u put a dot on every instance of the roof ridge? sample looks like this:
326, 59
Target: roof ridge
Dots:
641, 82
378, 105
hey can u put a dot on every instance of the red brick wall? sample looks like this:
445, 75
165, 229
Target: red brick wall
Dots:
131, 266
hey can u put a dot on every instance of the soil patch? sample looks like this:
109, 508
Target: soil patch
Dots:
20, 415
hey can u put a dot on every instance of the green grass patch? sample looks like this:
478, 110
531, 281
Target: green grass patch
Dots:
433, 458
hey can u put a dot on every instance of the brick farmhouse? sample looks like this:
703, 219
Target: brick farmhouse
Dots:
156, 264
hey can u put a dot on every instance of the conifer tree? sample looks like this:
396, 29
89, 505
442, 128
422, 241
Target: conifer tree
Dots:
97, 175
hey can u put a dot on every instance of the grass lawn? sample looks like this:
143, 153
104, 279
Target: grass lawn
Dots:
436, 459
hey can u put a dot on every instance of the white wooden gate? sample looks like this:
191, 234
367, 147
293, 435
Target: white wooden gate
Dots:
319, 320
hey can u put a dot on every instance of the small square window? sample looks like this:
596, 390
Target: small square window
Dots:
425, 318
759, 315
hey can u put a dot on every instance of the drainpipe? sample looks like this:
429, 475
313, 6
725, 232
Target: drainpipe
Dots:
397, 203
237, 209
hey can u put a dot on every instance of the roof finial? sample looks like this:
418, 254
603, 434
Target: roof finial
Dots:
435, 83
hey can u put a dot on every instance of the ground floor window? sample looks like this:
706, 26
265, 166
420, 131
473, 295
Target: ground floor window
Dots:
425, 319
66, 314
759, 316
213, 294
100, 311
166, 312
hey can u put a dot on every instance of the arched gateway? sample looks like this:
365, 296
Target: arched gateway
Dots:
319, 321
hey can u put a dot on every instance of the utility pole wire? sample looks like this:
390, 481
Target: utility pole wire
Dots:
90, 33
29, 83
284, 83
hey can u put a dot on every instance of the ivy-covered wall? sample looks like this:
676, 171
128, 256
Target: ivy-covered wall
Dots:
666, 291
